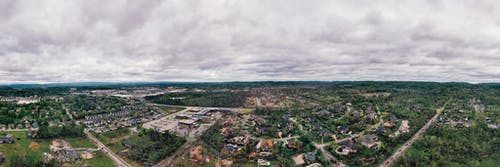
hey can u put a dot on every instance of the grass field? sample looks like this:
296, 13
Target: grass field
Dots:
34, 148
21, 146
80, 143
113, 140
100, 160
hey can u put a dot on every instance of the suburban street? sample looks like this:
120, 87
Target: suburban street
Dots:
14, 130
249, 83
408, 143
332, 159
107, 151
328, 156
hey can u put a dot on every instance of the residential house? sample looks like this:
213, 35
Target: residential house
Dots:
311, 118
259, 121
224, 163
35, 125
32, 133
393, 118
316, 126
196, 155
343, 129
259, 130
227, 132
382, 130
232, 148
323, 133
263, 162
293, 143
369, 141
66, 155
239, 140
346, 148
27, 125
285, 125
311, 157
388, 124
265, 146
370, 115
298, 160
7, 139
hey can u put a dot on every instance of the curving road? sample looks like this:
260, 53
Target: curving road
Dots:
408, 143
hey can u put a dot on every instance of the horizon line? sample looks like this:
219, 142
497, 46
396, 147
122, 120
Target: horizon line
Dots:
235, 81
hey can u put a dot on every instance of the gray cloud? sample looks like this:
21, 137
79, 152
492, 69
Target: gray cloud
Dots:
220, 40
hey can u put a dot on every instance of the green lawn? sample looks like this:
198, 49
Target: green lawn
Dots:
113, 141
80, 142
100, 160
22, 148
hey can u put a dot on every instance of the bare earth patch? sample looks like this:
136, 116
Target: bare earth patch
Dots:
34, 146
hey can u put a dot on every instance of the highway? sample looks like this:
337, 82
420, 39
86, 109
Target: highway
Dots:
408, 143
119, 161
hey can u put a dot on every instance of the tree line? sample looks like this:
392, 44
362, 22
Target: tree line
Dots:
46, 132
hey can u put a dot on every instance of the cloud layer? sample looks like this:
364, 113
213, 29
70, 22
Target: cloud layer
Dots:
217, 40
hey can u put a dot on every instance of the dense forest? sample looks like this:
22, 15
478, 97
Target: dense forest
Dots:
478, 145
150, 146
27, 92
46, 132
446, 146
212, 99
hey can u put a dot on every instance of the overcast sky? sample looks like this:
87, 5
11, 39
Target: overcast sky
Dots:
217, 40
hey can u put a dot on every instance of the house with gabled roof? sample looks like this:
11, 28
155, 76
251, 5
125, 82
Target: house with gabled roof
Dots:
7, 139
343, 129
346, 148
310, 157
393, 118
369, 141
